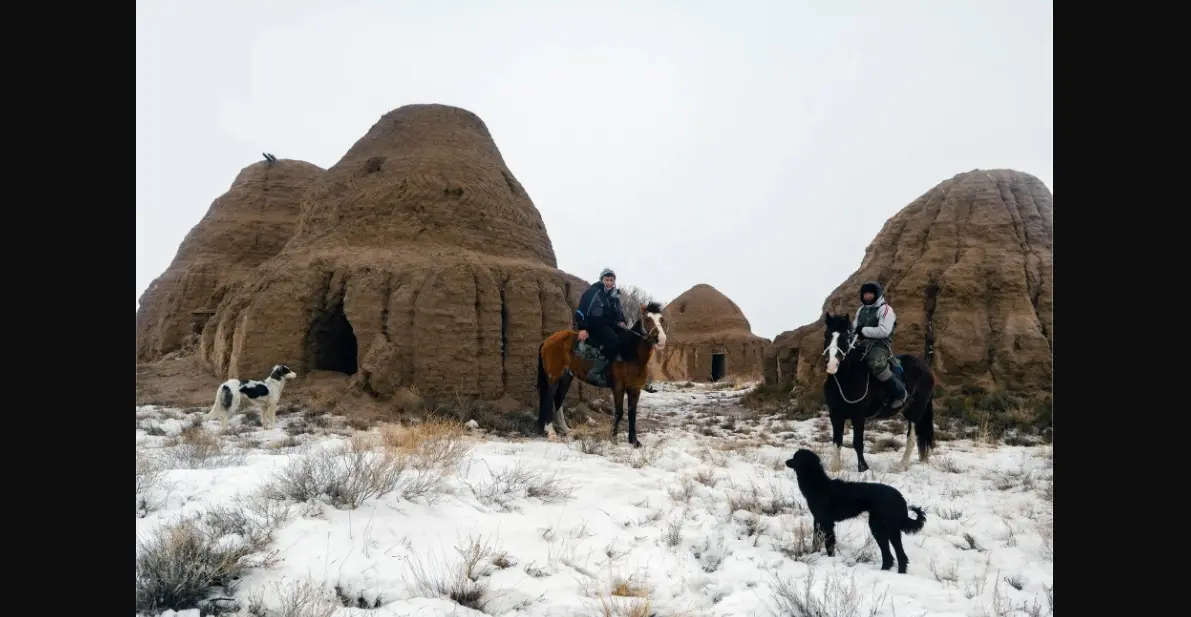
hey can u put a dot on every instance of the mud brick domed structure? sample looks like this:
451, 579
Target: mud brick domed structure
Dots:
967, 266
709, 339
245, 226
418, 260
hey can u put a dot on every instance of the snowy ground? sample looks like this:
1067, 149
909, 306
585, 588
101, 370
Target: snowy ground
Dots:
705, 520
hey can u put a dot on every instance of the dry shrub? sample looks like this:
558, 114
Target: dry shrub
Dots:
435, 445
182, 562
591, 437
504, 488
838, 598
641, 457
408, 400
198, 449
768, 397
148, 479
802, 543
343, 476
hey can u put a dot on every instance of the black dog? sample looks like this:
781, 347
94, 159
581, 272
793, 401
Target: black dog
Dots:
831, 501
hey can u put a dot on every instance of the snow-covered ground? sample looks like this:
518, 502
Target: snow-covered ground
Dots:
704, 520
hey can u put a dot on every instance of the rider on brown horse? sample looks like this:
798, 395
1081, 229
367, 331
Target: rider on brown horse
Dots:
597, 317
874, 325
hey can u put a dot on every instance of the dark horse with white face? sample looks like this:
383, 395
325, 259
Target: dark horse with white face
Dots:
851, 394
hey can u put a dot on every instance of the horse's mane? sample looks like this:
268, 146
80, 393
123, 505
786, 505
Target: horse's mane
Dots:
628, 340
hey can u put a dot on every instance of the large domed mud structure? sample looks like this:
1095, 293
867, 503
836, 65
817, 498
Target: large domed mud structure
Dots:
967, 266
709, 339
245, 226
418, 260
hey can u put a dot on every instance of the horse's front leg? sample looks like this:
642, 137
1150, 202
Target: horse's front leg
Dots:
634, 395
618, 401
837, 440
858, 444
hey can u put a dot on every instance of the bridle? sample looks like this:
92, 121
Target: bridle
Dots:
644, 337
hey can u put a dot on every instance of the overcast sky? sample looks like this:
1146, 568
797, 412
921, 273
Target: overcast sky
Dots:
755, 146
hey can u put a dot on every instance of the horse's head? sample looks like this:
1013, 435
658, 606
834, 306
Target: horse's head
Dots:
651, 324
835, 340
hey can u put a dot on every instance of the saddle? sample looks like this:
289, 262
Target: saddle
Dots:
591, 352
895, 363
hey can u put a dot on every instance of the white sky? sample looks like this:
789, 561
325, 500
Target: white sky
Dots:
757, 146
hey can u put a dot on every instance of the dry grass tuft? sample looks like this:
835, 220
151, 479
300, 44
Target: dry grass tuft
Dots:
624, 597
303, 598
464, 581
802, 543
504, 488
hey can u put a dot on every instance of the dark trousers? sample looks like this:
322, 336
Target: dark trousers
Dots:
603, 334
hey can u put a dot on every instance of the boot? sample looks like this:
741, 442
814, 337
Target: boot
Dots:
596, 374
895, 387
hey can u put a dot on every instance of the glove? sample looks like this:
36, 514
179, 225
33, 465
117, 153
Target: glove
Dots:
860, 334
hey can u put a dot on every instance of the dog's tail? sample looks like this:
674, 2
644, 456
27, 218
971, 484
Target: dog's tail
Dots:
914, 525
224, 399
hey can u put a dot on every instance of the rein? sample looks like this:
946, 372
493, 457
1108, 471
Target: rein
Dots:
834, 376
631, 331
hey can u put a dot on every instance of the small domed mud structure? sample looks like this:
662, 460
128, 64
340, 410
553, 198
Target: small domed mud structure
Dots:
419, 260
709, 339
967, 266
245, 226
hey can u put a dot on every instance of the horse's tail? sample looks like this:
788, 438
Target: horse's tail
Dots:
914, 525
545, 396
924, 428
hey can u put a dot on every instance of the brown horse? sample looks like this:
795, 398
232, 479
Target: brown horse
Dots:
560, 361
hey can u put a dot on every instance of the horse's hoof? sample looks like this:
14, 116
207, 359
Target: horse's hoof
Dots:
861, 468
636, 444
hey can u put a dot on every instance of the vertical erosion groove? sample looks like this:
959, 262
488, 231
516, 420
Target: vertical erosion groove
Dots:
932, 296
504, 339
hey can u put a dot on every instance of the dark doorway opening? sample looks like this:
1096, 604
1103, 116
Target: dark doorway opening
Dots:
717, 366
331, 343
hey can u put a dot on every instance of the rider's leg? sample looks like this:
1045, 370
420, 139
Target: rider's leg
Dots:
878, 363
605, 339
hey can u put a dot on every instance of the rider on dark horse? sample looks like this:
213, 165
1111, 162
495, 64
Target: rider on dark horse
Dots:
874, 324
597, 318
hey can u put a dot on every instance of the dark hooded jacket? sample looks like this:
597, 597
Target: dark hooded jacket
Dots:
598, 304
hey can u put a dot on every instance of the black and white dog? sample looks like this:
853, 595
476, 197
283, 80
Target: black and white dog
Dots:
264, 395
831, 501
